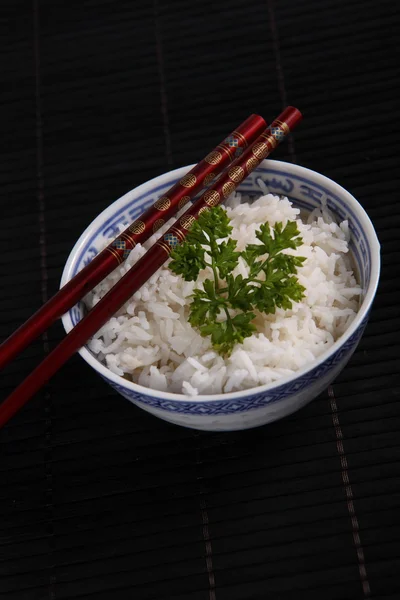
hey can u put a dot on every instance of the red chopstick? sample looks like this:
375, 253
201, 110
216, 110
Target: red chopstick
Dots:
147, 224
150, 262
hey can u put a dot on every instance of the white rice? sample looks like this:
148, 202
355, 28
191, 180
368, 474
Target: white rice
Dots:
151, 342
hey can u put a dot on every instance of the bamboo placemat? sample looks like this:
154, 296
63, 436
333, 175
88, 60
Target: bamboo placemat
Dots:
98, 500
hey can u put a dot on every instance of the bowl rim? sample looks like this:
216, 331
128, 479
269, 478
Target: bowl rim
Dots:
293, 169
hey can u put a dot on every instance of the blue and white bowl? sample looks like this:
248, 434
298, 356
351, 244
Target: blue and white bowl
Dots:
266, 403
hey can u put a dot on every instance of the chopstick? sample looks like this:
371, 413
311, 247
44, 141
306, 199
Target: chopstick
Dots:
116, 252
150, 262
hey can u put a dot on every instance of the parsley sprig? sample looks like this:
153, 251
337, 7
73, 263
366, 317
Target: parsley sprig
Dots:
223, 309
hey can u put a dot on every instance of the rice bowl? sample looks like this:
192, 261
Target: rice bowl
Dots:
261, 402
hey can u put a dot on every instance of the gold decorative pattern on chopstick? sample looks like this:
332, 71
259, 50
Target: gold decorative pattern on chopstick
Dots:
203, 209
228, 188
236, 174
276, 133
188, 180
227, 151
260, 150
211, 197
283, 126
137, 227
252, 163
178, 233
127, 238
115, 254
171, 239
164, 246
162, 203
242, 138
187, 221
213, 158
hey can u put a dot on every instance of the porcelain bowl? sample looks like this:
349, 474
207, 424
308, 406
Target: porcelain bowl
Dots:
266, 403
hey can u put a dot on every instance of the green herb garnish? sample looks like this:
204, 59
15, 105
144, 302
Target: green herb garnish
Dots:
224, 308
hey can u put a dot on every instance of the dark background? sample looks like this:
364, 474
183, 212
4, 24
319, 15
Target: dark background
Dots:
98, 500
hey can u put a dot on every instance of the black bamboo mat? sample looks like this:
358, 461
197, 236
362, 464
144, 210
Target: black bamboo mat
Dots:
98, 500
